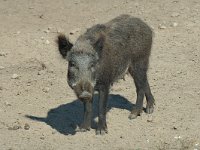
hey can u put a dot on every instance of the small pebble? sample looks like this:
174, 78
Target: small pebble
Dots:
26, 126
47, 42
46, 31
18, 93
74, 31
15, 76
175, 14
1, 67
15, 127
162, 26
41, 72
177, 137
7, 104
2, 54
175, 24
46, 89
136, 5
150, 118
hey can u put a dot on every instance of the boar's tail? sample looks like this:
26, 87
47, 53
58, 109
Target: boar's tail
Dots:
64, 45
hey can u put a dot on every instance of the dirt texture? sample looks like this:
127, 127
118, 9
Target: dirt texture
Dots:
38, 110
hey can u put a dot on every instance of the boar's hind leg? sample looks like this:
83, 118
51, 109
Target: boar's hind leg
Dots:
85, 126
103, 97
138, 71
150, 99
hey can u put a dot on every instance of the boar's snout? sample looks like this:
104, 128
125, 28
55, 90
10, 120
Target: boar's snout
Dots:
84, 90
85, 95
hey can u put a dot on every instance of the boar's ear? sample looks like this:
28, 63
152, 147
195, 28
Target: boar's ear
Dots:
64, 46
98, 46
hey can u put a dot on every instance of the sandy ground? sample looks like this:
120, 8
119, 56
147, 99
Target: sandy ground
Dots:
38, 111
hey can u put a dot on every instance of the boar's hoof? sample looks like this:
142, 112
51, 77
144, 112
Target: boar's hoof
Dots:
134, 114
149, 109
83, 128
101, 131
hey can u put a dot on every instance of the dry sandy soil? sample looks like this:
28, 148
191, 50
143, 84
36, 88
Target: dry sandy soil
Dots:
38, 111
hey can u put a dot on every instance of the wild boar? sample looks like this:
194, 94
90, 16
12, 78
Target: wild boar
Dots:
101, 56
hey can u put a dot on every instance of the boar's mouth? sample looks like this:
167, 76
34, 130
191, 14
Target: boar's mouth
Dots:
84, 90
85, 95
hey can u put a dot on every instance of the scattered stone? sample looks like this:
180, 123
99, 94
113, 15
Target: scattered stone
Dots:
51, 71
175, 1
46, 31
41, 16
3, 54
28, 84
46, 89
18, 32
41, 72
74, 31
1, 67
136, 4
7, 104
49, 28
162, 26
15, 127
150, 118
42, 38
26, 126
178, 137
175, 24
1, 88
47, 42
15, 76
175, 14
42, 138
43, 65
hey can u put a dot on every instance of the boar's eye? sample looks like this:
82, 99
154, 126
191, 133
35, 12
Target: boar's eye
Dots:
72, 64
92, 65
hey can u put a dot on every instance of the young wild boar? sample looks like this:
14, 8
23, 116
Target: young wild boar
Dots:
101, 56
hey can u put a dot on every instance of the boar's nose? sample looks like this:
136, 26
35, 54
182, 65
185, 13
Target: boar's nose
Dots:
85, 95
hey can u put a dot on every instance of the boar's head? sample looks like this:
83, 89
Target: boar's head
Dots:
83, 62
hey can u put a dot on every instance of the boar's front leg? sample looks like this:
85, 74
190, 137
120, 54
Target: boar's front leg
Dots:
85, 126
103, 97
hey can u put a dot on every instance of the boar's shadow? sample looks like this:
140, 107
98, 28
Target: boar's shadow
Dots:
66, 117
